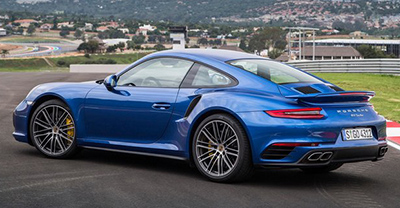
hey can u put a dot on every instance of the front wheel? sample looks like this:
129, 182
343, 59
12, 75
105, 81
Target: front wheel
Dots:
52, 130
221, 149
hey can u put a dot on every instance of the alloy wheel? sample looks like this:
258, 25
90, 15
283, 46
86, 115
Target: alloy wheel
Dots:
217, 148
53, 130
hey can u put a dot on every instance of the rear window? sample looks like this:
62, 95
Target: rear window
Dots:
274, 71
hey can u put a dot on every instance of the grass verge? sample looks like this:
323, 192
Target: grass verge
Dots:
386, 87
62, 63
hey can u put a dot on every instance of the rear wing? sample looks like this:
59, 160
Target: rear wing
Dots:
335, 97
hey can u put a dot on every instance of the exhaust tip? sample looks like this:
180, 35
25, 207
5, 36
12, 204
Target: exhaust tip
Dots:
383, 151
320, 156
326, 156
314, 156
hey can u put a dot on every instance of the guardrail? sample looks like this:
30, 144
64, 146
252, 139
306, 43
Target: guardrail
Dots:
385, 66
96, 68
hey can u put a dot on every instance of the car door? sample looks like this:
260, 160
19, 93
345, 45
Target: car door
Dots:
139, 108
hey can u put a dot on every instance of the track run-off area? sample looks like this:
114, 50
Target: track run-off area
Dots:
107, 179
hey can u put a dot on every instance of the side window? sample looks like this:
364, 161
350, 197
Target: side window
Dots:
208, 77
160, 72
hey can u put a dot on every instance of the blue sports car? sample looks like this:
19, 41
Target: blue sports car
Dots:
225, 112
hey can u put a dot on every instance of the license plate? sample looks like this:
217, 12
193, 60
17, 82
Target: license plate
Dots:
358, 133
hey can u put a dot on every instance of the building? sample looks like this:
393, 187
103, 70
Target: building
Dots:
141, 32
88, 26
25, 22
178, 35
102, 29
124, 30
387, 46
3, 32
330, 53
358, 34
46, 27
148, 27
65, 24
5, 17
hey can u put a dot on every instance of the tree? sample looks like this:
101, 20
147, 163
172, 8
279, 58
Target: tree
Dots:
275, 53
83, 47
159, 47
130, 45
257, 42
268, 38
138, 39
4, 52
64, 33
78, 33
242, 44
121, 46
31, 29
371, 52
202, 41
111, 49
20, 30
92, 46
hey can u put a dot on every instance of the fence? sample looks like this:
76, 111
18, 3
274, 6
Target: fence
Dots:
386, 66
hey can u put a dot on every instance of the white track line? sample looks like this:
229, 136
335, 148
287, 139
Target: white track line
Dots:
394, 145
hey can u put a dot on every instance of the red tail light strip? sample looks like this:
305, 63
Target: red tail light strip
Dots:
296, 144
304, 113
353, 93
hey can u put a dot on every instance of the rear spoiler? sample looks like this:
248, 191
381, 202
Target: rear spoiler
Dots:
335, 97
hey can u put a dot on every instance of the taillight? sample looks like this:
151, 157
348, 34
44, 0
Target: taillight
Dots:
305, 113
299, 144
382, 139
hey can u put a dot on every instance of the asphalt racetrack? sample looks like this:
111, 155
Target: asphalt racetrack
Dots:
42, 49
106, 179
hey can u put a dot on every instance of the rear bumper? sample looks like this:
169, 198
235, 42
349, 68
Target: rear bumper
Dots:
265, 131
339, 155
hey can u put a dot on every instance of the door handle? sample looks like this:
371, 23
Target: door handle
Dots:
161, 106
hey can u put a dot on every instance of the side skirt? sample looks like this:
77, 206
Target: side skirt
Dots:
137, 153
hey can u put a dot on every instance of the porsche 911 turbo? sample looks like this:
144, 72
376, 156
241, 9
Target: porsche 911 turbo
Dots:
224, 112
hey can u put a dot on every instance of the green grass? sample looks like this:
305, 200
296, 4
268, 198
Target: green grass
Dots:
386, 87
118, 58
33, 39
39, 64
22, 64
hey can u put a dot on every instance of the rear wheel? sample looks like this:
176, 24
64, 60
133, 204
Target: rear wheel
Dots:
221, 149
322, 169
52, 130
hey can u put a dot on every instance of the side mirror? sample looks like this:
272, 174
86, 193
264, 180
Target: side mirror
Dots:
110, 82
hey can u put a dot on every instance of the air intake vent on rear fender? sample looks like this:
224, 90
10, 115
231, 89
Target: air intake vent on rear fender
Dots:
307, 90
336, 88
277, 152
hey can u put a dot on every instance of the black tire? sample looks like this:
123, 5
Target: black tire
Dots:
322, 169
72, 149
243, 167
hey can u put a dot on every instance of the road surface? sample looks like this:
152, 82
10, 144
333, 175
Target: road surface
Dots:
106, 179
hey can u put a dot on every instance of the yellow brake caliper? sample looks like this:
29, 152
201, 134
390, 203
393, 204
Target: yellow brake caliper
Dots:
70, 132
210, 146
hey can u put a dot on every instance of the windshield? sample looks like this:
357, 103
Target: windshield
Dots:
274, 71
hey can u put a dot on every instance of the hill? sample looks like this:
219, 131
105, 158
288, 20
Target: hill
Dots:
174, 10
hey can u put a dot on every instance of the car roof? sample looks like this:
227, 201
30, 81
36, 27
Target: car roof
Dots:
218, 54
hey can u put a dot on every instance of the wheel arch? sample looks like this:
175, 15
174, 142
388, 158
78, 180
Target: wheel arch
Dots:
196, 122
36, 104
